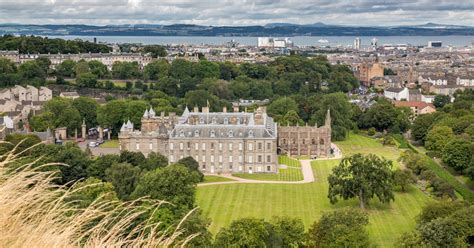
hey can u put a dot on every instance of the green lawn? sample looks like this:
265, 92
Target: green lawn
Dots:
215, 179
292, 173
224, 203
110, 144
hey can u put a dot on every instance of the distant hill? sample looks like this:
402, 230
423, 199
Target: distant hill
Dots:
271, 29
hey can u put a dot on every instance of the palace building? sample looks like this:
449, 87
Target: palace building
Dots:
224, 142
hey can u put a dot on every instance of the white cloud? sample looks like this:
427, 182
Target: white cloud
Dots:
236, 12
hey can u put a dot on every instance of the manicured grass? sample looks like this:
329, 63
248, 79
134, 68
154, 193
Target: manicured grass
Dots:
292, 173
225, 203
110, 144
289, 161
215, 179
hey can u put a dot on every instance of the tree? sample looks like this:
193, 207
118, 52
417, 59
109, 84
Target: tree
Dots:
181, 69
66, 69
363, 177
438, 137
206, 69
291, 118
280, 107
155, 51
63, 114
193, 167
421, 126
133, 158
403, 178
76, 163
417, 163
341, 114
90, 190
87, 108
87, 79
27, 141
157, 70
289, 231
439, 209
441, 100
154, 161
341, 228
112, 115
173, 183
247, 232
98, 167
458, 154
125, 70
81, 67
124, 178
32, 73
98, 69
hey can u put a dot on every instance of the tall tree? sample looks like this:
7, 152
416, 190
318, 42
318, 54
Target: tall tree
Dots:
363, 177
124, 178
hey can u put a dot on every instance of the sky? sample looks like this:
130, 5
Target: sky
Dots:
237, 12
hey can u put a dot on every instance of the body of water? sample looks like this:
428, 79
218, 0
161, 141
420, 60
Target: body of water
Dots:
297, 40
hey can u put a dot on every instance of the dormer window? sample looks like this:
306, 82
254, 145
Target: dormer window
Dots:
231, 134
250, 133
201, 120
214, 121
181, 133
238, 121
213, 133
196, 133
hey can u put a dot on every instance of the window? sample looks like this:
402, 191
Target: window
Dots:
151, 146
188, 145
138, 146
196, 133
181, 157
220, 146
250, 159
303, 140
220, 159
171, 158
201, 120
230, 159
240, 146
171, 146
197, 158
203, 159
238, 121
181, 146
259, 146
203, 146
226, 121
231, 134
321, 141
196, 146
269, 168
284, 142
250, 133
240, 159
313, 142
230, 146
250, 146
269, 146
212, 158
259, 158
269, 158
212, 146
259, 168
213, 133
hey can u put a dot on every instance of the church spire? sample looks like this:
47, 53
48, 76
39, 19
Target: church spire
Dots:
328, 119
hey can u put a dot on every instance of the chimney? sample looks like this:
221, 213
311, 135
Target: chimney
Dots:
205, 109
196, 109
224, 109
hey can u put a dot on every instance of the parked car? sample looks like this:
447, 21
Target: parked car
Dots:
100, 141
93, 144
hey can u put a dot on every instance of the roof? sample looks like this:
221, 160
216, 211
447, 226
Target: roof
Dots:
415, 104
71, 93
394, 89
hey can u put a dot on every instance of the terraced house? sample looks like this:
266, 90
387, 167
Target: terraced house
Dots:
222, 142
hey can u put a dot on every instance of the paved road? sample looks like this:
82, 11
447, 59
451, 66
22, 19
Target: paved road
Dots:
97, 151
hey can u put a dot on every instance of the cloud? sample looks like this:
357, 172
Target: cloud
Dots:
236, 12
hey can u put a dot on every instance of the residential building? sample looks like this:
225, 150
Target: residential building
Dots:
417, 107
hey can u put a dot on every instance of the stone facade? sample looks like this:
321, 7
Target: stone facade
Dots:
310, 141
227, 142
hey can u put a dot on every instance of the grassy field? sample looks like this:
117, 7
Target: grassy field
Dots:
292, 173
224, 203
110, 144
215, 179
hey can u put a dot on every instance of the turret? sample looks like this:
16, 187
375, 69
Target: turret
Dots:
146, 114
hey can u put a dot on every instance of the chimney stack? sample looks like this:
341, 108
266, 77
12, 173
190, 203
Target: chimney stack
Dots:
224, 109
196, 109
205, 109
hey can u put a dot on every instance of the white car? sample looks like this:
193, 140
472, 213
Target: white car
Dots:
93, 144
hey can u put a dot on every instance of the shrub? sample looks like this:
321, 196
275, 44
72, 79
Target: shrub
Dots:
371, 131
